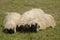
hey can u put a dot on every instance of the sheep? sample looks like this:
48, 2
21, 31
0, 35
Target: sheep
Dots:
31, 15
50, 20
46, 21
37, 16
34, 27
11, 21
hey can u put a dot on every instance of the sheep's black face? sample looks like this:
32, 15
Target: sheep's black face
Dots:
11, 31
21, 28
8, 31
33, 28
27, 27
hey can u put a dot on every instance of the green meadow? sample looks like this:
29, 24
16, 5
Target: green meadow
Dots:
49, 6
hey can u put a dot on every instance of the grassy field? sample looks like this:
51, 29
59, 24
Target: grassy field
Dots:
49, 6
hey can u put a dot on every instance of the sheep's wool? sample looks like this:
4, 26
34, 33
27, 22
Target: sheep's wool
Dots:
11, 20
31, 15
38, 16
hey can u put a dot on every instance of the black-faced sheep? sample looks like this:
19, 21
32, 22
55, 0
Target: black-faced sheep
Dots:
11, 20
37, 16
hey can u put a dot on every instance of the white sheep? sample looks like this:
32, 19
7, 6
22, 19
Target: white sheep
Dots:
37, 16
46, 21
50, 20
29, 16
11, 20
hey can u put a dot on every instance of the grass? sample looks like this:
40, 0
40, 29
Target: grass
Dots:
49, 6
